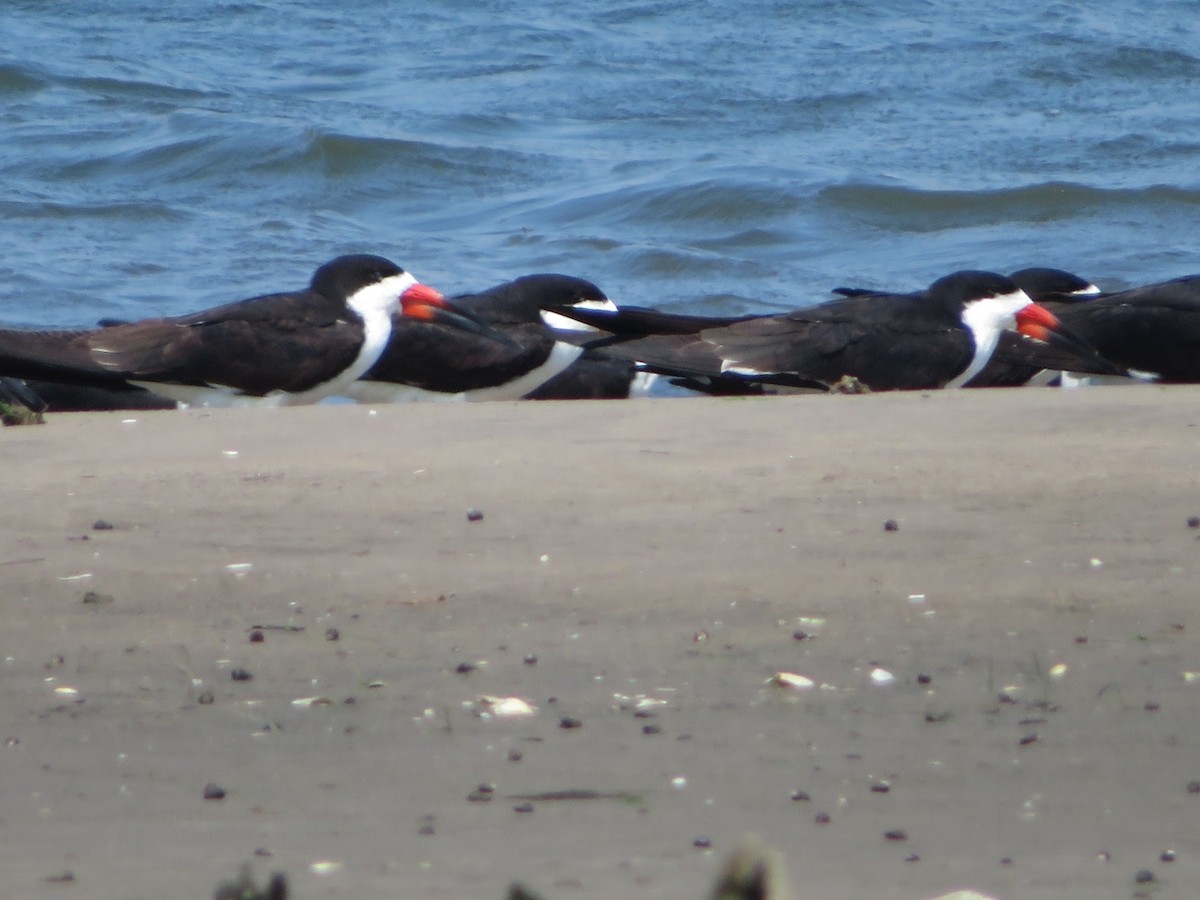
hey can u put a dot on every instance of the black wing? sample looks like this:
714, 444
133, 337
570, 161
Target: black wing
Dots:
290, 342
887, 342
1155, 328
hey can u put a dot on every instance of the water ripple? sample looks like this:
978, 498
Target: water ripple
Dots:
912, 210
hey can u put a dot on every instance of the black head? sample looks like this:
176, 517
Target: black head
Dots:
523, 299
344, 276
956, 290
1054, 284
548, 289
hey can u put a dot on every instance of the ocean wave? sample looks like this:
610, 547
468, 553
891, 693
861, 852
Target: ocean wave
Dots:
724, 202
133, 89
33, 210
905, 208
16, 80
394, 162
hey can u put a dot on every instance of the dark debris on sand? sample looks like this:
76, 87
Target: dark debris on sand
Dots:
245, 888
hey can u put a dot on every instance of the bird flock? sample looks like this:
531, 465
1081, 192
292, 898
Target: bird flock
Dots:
365, 330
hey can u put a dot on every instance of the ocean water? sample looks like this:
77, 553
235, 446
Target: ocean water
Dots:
719, 157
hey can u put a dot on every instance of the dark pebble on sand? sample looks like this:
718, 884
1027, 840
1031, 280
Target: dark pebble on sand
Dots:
912, 857
474, 515
482, 794
332, 634
701, 843
241, 675
515, 756
427, 826
523, 808
530, 659
263, 852
214, 792
103, 525
257, 637
880, 788
924, 679
1006, 861
1193, 787
465, 668
822, 818
896, 834
97, 597
1151, 706
1028, 739
801, 796
800, 635
1167, 856
568, 722
651, 729
61, 878
891, 525
1193, 521
1144, 876
206, 698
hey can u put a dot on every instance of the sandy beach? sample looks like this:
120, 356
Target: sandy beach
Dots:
1005, 681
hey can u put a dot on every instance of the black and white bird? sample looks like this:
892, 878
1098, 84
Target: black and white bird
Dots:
535, 359
1153, 329
1152, 332
935, 338
273, 350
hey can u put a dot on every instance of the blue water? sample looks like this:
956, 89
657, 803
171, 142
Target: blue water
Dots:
722, 157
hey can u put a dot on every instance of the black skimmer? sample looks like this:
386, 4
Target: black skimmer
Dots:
939, 337
1152, 330
535, 360
273, 350
1152, 333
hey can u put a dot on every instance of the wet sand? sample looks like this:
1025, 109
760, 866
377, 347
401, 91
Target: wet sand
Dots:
1036, 604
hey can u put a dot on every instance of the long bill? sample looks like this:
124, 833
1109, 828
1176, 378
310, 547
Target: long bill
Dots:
425, 304
1039, 323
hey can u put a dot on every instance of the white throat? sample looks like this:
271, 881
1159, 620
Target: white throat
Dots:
985, 319
560, 322
376, 304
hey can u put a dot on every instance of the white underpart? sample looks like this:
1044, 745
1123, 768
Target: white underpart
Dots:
1090, 291
1069, 380
374, 303
559, 322
643, 384
985, 319
561, 356
738, 369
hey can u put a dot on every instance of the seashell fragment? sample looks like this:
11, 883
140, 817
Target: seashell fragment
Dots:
306, 702
882, 676
792, 681
505, 708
